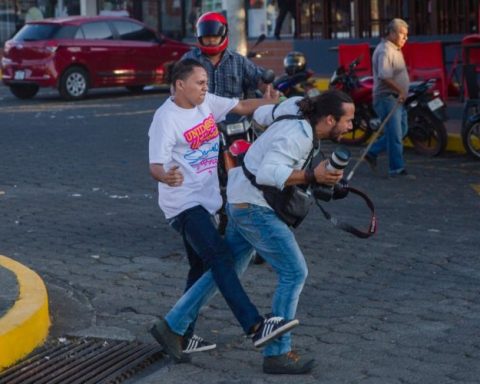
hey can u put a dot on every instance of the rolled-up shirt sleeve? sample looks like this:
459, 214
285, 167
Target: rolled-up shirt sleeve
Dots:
286, 155
263, 114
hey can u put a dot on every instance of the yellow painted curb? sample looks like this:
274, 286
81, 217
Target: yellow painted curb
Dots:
25, 326
454, 143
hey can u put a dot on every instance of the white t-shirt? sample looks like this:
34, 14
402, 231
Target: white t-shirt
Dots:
189, 138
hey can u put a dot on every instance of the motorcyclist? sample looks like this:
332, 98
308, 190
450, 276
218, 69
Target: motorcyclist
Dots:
229, 73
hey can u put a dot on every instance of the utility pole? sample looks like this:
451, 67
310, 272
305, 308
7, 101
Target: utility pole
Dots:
236, 23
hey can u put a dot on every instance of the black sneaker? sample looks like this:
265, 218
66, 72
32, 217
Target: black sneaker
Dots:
271, 328
170, 341
289, 363
197, 344
371, 161
402, 173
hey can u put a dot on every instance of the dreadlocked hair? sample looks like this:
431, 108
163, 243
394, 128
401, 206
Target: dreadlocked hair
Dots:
328, 103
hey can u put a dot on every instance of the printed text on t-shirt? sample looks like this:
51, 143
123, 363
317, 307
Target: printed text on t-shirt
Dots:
202, 132
203, 155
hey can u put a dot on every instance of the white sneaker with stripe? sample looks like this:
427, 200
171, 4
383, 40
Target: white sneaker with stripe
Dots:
271, 328
197, 344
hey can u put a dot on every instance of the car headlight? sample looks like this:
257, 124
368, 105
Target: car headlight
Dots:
5, 61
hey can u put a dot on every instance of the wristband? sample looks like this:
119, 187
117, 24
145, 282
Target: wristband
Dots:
309, 176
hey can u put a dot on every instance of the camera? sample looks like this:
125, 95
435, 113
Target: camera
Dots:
338, 160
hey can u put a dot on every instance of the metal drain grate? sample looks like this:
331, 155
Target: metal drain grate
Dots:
84, 361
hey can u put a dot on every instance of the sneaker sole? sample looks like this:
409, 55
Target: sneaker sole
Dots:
201, 349
157, 336
278, 332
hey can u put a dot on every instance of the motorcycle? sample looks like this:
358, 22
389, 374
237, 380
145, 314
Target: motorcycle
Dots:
471, 136
299, 84
425, 109
297, 80
236, 129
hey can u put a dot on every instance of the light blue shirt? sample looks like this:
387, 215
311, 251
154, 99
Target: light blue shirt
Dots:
283, 147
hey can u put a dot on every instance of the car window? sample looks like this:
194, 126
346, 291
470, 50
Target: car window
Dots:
96, 31
133, 31
79, 34
36, 32
66, 32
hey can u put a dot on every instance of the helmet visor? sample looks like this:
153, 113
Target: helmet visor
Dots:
211, 28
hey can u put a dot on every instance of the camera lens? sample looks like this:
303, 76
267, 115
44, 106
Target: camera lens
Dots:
340, 158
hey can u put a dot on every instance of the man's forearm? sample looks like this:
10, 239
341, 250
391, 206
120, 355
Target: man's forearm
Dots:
248, 106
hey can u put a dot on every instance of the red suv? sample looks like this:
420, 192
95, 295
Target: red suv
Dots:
74, 54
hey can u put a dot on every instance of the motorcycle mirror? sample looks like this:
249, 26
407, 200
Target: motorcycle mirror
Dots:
268, 76
252, 53
355, 62
259, 40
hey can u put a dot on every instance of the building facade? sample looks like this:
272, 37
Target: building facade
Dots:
317, 19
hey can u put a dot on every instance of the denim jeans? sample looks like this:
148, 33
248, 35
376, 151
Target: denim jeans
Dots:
261, 228
197, 229
395, 130
197, 269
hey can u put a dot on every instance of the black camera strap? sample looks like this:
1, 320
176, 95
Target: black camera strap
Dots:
348, 227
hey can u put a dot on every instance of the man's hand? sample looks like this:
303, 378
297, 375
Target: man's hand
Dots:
402, 97
271, 94
173, 177
323, 176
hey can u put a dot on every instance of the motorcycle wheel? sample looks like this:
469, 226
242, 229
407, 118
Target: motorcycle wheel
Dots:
471, 139
361, 131
427, 134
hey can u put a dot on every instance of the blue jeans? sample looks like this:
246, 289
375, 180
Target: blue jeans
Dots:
395, 130
197, 229
197, 269
261, 228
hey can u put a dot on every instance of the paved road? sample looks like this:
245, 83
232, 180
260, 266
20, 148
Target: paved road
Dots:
78, 206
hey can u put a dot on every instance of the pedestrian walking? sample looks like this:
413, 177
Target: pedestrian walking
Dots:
284, 7
390, 86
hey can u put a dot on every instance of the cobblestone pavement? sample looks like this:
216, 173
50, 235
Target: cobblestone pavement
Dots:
78, 206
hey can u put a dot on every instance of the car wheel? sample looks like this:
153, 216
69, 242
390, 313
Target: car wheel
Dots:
24, 91
135, 88
74, 84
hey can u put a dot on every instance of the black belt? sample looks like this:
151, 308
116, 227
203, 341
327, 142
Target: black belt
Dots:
395, 95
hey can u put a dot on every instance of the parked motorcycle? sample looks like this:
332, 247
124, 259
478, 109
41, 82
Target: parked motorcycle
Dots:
297, 80
426, 111
471, 136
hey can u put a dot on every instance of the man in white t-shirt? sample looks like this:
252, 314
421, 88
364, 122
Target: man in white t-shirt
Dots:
183, 152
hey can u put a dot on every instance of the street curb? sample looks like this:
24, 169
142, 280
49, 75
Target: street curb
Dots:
25, 326
454, 143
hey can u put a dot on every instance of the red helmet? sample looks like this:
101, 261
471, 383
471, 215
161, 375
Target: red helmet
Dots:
212, 24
